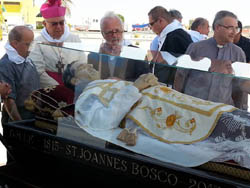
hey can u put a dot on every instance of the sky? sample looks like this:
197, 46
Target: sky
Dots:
135, 11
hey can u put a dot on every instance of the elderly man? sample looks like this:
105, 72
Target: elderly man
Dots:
221, 50
199, 29
242, 42
111, 64
19, 72
112, 30
50, 60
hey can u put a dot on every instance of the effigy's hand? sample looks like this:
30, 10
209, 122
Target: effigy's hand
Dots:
145, 81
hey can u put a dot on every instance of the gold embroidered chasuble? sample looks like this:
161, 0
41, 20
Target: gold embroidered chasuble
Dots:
173, 117
163, 113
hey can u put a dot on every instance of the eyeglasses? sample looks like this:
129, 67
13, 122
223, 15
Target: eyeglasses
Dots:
152, 23
231, 28
117, 31
54, 24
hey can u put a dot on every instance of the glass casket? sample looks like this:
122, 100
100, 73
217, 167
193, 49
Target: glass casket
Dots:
51, 151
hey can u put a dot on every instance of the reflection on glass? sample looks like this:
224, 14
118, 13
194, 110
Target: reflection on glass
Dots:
124, 64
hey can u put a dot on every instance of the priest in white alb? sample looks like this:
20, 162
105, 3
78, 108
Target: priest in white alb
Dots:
50, 60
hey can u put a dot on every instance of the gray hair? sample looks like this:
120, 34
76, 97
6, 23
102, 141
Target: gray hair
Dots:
197, 22
175, 14
110, 15
16, 33
160, 11
221, 15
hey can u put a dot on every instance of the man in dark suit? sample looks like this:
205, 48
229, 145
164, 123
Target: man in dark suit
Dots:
242, 42
172, 38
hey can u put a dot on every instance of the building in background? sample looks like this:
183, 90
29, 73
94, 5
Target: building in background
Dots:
20, 12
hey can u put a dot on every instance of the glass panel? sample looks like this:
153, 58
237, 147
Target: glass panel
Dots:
192, 77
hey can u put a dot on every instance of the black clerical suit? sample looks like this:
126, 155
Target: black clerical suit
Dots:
244, 43
176, 44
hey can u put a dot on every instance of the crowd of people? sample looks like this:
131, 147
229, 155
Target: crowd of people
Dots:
22, 70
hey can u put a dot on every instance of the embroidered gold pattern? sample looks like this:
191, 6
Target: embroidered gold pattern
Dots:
170, 121
107, 92
49, 89
62, 104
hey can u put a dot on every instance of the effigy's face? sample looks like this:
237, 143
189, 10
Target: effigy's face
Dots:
86, 72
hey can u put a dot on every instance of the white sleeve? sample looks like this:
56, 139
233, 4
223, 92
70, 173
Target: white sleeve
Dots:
37, 58
92, 113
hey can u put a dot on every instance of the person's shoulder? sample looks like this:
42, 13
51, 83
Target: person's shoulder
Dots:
235, 47
74, 38
40, 38
245, 40
4, 61
6, 65
180, 34
200, 43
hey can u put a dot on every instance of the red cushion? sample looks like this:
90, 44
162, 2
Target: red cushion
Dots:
54, 98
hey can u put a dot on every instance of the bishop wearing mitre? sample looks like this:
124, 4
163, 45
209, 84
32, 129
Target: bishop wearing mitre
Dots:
50, 59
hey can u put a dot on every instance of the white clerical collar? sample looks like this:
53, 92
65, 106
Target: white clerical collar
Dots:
13, 55
220, 46
65, 35
169, 28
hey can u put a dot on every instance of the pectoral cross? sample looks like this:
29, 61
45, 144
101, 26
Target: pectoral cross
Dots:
60, 67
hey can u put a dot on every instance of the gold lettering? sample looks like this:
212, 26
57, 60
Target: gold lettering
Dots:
86, 155
102, 160
55, 145
94, 158
68, 150
46, 144
135, 169
153, 174
117, 163
51, 145
109, 161
162, 176
74, 148
124, 166
172, 179
144, 171
21, 136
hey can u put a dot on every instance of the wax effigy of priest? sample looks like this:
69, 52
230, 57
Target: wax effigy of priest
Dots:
144, 115
51, 59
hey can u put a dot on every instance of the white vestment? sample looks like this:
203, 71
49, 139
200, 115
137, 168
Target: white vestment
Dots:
162, 112
47, 57
104, 103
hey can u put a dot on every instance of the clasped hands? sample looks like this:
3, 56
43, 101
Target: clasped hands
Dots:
145, 81
222, 66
